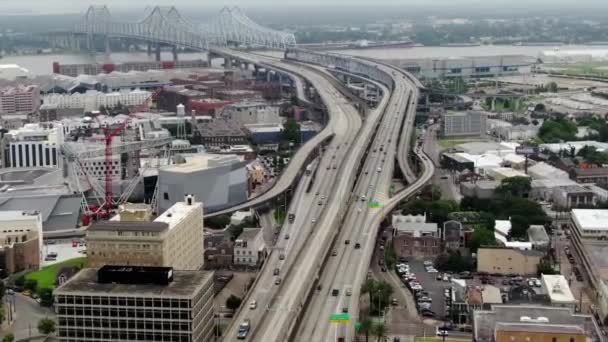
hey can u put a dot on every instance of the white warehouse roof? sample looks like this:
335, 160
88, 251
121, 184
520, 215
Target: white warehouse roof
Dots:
591, 219
557, 288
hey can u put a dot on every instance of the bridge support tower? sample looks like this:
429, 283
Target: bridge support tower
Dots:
174, 51
108, 48
157, 52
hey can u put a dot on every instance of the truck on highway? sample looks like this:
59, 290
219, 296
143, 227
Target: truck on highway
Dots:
243, 329
291, 217
308, 169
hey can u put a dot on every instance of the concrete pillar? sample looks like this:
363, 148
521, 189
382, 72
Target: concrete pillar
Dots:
158, 52
268, 75
149, 49
174, 50
90, 44
228, 63
108, 48
209, 58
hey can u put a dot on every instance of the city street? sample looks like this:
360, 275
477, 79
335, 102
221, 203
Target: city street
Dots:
26, 316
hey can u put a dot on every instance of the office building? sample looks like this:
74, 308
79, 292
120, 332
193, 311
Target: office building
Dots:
33, 145
412, 236
20, 240
219, 181
589, 235
597, 175
249, 247
126, 303
12, 72
502, 260
253, 113
523, 323
92, 100
20, 99
463, 124
173, 239
221, 132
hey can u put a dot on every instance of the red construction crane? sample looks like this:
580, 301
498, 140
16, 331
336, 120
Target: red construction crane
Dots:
109, 135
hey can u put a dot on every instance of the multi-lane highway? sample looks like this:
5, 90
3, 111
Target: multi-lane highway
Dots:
311, 209
344, 273
283, 286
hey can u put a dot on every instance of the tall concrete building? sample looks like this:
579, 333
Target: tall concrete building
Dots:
33, 145
20, 240
122, 303
219, 181
21, 99
174, 239
463, 124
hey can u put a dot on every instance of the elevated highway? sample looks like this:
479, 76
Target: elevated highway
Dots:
324, 204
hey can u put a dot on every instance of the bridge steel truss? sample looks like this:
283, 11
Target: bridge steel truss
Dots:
166, 25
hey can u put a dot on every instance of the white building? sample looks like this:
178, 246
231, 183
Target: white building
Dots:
33, 145
13, 72
501, 232
545, 171
253, 113
414, 225
591, 223
20, 240
577, 145
92, 100
501, 173
21, 99
558, 290
249, 247
174, 239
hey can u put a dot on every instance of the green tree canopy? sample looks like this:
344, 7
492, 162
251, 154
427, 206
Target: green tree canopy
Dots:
46, 326
515, 186
556, 130
482, 237
8, 338
291, 131
233, 302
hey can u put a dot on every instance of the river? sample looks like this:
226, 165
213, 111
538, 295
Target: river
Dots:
42, 64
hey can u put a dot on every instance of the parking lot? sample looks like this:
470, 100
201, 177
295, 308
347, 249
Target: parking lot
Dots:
431, 287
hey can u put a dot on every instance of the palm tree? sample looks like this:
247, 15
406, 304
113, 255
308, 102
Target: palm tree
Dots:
380, 332
369, 287
366, 328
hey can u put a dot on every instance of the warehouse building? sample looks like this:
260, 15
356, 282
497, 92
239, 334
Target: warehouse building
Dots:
219, 181
463, 124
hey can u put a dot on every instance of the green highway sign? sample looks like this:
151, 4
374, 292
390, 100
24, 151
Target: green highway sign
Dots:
339, 318
373, 204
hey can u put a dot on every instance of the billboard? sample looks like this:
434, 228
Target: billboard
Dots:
526, 149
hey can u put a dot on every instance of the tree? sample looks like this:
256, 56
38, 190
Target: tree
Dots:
31, 284
46, 297
291, 131
380, 332
557, 129
369, 287
482, 237
552, 87
366, 328
545, 268
519, 226
2, 290
217, 222
515, 186
233, 302
46, 326
8, 338
20, 281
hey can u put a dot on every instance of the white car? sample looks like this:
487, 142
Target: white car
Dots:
253, 305
314, 220
379, 169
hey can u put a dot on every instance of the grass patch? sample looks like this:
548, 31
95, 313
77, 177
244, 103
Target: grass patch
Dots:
45, 277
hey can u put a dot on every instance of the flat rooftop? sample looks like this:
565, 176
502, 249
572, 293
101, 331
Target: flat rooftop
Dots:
591, 219
597, 251
558, 289
184, 285
202, 162
111, 226
485, 321
178, 212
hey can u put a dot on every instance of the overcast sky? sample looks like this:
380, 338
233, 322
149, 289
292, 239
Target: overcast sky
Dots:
40, 6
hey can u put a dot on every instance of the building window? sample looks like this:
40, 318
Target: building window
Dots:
166, 196
554, 339
571, 339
